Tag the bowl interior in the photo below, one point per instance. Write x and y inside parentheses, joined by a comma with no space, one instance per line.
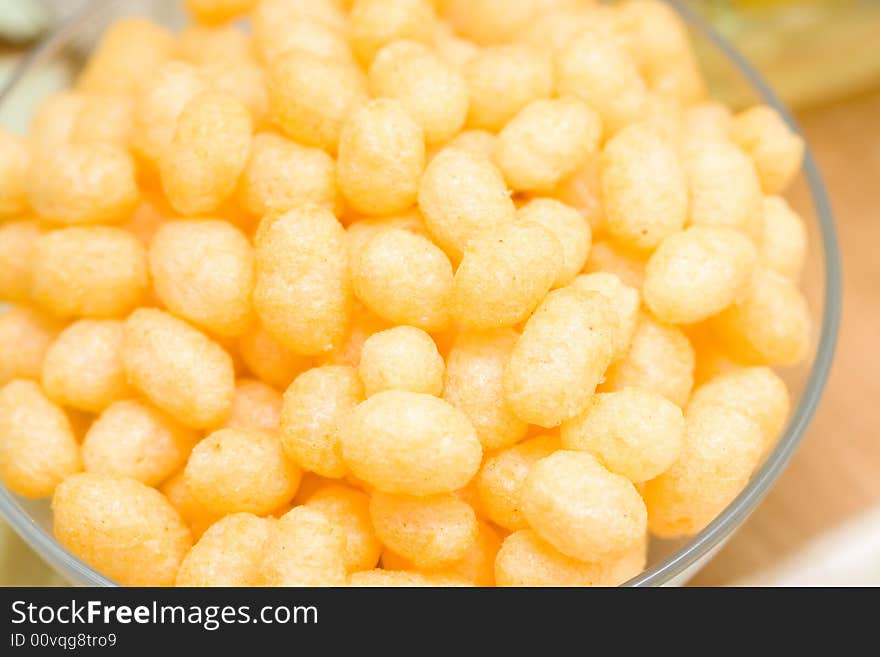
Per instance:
(730,77)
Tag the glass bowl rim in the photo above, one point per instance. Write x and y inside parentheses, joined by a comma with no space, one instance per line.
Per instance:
(713,535)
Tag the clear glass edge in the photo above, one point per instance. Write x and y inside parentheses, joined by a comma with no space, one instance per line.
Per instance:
(764,479)
(761,482)
(44,544)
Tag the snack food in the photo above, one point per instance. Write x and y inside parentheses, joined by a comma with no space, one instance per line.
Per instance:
(393,292)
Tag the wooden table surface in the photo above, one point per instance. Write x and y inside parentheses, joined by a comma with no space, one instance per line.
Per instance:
(836,472)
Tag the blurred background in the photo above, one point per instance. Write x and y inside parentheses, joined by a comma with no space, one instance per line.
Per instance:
(821,523)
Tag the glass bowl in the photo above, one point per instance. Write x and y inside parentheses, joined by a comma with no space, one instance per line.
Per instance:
(730,77)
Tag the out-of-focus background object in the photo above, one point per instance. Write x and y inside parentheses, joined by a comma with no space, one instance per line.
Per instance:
(23,21)
(821,524)
(20,566)
(812,51)
(848,555)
